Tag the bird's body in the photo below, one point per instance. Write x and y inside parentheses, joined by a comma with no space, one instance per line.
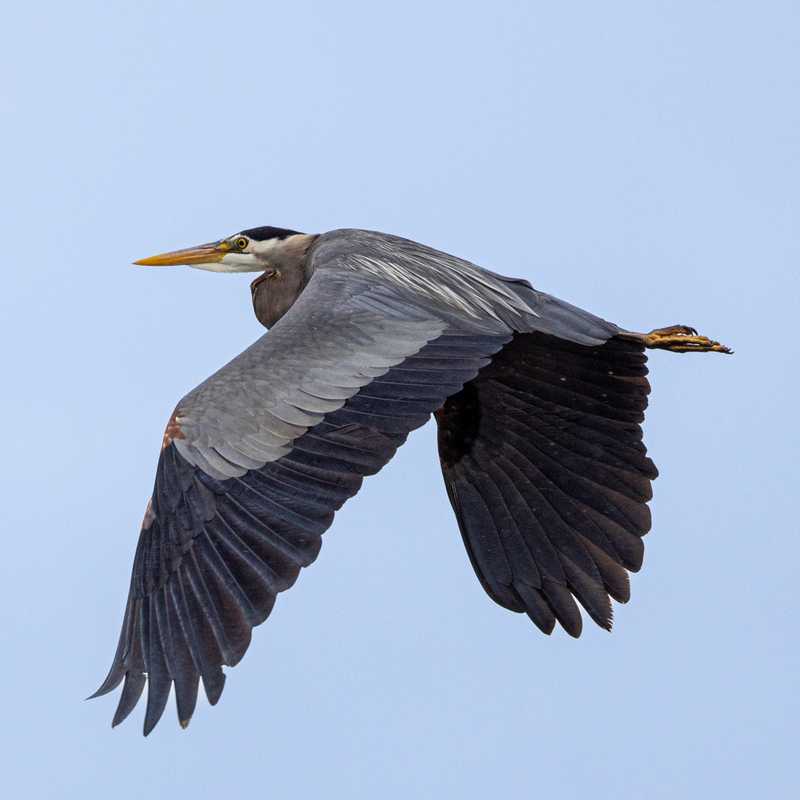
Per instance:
(539,406)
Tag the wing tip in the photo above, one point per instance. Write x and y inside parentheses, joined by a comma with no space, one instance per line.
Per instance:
(148,726)
(214,683)
(112,680)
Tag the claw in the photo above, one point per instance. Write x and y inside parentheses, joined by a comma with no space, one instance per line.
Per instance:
(677,330)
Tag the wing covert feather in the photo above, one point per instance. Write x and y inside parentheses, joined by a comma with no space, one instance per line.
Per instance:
(340,334)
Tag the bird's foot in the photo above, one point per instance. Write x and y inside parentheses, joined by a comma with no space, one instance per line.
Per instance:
(679,339)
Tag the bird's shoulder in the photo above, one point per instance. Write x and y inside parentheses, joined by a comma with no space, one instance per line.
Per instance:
(337,245)
(428,276)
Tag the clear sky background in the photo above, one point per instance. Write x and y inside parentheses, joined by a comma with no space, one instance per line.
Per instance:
(639,159)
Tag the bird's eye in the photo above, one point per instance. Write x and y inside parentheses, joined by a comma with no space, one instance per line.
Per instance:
(240,243)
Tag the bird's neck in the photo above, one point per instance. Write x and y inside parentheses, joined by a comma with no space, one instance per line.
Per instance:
(289,255)
(276,291)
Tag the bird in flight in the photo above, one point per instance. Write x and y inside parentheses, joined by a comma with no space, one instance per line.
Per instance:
(538,403)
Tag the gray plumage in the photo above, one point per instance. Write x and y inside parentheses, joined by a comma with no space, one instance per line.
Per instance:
(539,406)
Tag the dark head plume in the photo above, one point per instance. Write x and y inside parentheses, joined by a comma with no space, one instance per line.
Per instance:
(268,232)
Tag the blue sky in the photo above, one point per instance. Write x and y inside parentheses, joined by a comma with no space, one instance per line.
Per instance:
(639,159)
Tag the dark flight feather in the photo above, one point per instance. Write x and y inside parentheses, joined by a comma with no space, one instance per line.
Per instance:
(544,447)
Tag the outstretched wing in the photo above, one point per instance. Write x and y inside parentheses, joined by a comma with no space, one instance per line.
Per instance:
(544,465)
(256,460)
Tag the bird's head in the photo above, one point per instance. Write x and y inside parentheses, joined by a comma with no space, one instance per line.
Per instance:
(251,250)
(278,253)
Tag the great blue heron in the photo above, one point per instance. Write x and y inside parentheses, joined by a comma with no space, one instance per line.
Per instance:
(539,406)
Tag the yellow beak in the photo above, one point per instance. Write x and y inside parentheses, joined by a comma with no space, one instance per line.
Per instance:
(201,254)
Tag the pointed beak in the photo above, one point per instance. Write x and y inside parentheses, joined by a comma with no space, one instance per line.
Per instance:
(201,254)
